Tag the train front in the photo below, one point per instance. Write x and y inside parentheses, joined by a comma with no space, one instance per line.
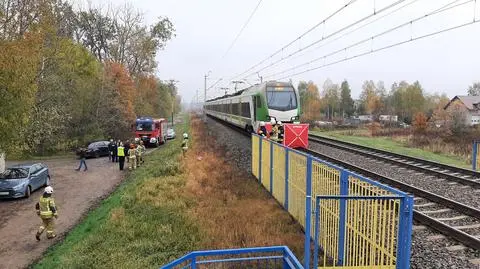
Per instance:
(282,102)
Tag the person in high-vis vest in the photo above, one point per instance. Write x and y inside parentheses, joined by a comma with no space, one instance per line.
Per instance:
(121,155)
(133,157)
(47,210)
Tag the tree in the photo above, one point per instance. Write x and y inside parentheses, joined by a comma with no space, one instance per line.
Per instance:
(346,103)
(312,104)
(331,98)
(474,89)
(370,99)
(420,123)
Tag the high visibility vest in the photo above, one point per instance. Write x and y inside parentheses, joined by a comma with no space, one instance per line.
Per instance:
(120,151)
(185,144)
(47,204)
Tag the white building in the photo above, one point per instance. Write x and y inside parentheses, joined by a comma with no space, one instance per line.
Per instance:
(469,106)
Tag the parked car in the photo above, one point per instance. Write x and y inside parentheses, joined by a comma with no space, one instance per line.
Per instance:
(170,133)
(21,180)
(96,149)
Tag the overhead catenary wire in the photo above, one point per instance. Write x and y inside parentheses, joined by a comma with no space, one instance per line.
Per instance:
(243,28)
(340,36)
(383,48)
(444,8)
(297,38)
(374,13)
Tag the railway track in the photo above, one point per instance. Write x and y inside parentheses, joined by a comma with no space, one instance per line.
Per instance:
(450,173)
(451,218)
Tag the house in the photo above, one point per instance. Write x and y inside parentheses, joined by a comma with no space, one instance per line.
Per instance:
(469,106)
(388,118)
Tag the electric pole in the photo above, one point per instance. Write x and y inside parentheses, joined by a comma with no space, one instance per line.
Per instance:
(224,89)
(236,82)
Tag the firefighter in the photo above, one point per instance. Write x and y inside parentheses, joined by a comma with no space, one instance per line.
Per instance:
(185,144)
(280,132)
(46,210)
(140,152)
(121,155)
(127,148)
(133,157)
(262,131)
(274,132)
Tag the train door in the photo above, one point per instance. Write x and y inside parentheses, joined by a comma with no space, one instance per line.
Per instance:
(254,107)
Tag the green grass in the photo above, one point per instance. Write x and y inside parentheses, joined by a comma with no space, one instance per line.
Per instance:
(388,144)
(141,225)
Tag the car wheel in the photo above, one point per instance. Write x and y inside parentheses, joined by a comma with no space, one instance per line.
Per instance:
(28,191)
(97,154)
(47,181)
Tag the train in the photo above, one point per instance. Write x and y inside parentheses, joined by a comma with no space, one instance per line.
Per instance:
(261,102)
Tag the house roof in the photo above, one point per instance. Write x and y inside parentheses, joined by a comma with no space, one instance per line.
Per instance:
(467,100)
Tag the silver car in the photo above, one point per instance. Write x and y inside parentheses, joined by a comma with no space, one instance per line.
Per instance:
(170,133)
(22,179)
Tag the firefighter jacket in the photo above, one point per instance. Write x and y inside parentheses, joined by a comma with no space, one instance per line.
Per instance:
(47,207)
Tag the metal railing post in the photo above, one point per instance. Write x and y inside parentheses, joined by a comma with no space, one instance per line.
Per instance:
(308,212)
(474,156)
(271,167)
(316,232)
(260,159)
(342,217)
(286,177)
(404,232)
(193,263)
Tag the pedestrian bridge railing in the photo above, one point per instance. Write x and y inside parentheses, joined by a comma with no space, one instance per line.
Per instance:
(354,222)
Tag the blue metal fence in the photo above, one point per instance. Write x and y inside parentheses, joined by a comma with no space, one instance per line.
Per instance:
(261,257)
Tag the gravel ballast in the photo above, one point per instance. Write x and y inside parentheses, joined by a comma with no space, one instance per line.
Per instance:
(425,253)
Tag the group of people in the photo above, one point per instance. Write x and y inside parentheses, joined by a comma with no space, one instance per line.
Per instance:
(276,134)
(133,152)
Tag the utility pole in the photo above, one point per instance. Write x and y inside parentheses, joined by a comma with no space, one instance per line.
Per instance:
(205,86)
(236,82)
(224,89)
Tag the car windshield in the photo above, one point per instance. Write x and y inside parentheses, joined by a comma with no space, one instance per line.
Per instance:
(14,173)
(144,126)
(281,98)
(170,131)
(92,146)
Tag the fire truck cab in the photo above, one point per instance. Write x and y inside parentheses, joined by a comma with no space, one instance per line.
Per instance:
(152,132)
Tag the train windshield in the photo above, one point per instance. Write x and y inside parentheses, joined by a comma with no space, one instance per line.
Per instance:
(281,98)
(144,126)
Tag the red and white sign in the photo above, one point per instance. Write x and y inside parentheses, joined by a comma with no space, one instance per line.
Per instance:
(295,135)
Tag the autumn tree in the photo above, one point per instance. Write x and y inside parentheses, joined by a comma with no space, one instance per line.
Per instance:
(331,98)
(370,99)
(311,103)
(420,123)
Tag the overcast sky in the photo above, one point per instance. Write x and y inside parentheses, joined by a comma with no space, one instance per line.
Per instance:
(448,62)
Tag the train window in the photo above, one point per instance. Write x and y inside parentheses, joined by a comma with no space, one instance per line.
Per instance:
(246,110)
(281,100)
(235,109)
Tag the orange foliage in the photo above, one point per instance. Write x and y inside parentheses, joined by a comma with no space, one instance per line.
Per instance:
(419,123)
(124,85)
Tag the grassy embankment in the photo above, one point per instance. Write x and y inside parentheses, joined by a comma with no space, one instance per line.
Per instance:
(391,145)
(172,206)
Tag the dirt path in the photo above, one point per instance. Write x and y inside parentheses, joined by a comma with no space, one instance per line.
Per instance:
(75,193)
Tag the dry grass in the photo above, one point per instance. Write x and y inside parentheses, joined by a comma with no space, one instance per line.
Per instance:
(230,206)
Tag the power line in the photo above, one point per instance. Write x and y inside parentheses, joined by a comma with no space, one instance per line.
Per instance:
(341,36)
(374,13)
(298,38)
(241,30)
(434,12)
(384,48)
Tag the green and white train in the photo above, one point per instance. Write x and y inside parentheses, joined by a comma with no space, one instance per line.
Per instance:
(261,102)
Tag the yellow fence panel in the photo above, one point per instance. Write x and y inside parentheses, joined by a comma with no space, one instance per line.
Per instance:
(255,153)
(266,163)
(326,181)
(297,174)
(279,173)
(371,227)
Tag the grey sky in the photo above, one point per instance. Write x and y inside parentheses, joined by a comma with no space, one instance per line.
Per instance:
(444,63)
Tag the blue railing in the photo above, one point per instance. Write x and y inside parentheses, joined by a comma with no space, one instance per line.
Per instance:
(261,257)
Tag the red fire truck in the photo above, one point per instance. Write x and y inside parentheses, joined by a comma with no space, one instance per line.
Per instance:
(152,132)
